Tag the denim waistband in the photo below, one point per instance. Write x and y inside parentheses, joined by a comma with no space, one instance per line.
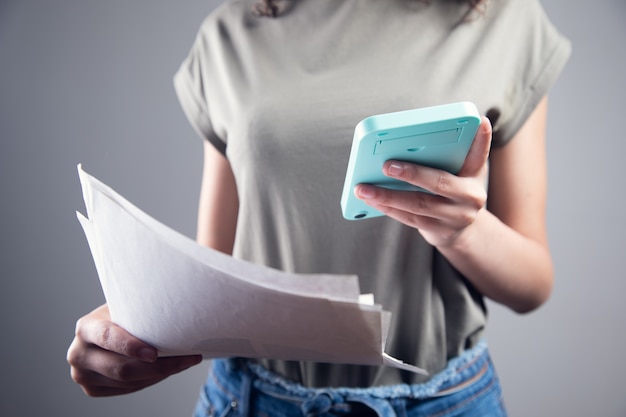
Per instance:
(242,376)
(469,361)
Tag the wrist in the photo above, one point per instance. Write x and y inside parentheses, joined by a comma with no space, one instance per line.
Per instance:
(465,238)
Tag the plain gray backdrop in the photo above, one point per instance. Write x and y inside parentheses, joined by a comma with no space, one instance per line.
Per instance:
(90,81)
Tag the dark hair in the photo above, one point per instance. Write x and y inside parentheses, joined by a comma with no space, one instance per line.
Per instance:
(266,8)
(269,8)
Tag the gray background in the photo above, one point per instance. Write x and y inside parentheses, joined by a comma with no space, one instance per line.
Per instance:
(90,81)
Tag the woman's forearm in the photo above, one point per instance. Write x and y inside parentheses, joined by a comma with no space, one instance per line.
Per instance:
(502,264)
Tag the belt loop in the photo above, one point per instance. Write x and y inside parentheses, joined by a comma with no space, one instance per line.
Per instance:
(323,402)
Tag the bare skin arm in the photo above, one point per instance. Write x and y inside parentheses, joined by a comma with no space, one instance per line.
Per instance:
(217,213)
(500,247)
(105,359)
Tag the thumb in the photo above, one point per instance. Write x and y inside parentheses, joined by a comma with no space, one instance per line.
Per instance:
(479,151)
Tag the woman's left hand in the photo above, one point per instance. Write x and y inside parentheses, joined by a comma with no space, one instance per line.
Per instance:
(456,200)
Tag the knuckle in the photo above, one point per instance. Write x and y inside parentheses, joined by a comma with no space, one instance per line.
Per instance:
(443,183)
(121,371)
(422,202)
(384,196)
(73,356)
(104,334)
(467,218)
(80,327)
(80,377)
(411,171)
(416,221)
(478,199)
(108,339)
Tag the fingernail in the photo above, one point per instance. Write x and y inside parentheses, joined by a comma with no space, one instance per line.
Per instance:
(147,354)
(395,169)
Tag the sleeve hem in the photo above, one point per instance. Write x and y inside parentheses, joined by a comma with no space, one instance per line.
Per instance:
(536,91)
(195,113)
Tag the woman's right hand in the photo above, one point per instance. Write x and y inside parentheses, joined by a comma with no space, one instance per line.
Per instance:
(106,360)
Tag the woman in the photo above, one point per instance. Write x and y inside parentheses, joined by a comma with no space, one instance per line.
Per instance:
(276,88)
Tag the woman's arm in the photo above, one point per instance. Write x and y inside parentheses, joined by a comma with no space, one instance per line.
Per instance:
(219,203)
(501,246)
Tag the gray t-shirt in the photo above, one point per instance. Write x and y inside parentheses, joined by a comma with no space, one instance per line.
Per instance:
(280,97)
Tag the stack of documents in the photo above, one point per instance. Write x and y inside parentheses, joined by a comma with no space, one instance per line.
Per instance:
(184,298)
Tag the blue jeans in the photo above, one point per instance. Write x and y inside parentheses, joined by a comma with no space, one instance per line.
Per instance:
(468,387)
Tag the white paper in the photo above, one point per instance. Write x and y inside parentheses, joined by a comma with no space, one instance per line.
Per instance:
(184,298)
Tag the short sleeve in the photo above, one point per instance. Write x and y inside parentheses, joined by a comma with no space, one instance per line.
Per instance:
(189,84)
(543,55)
